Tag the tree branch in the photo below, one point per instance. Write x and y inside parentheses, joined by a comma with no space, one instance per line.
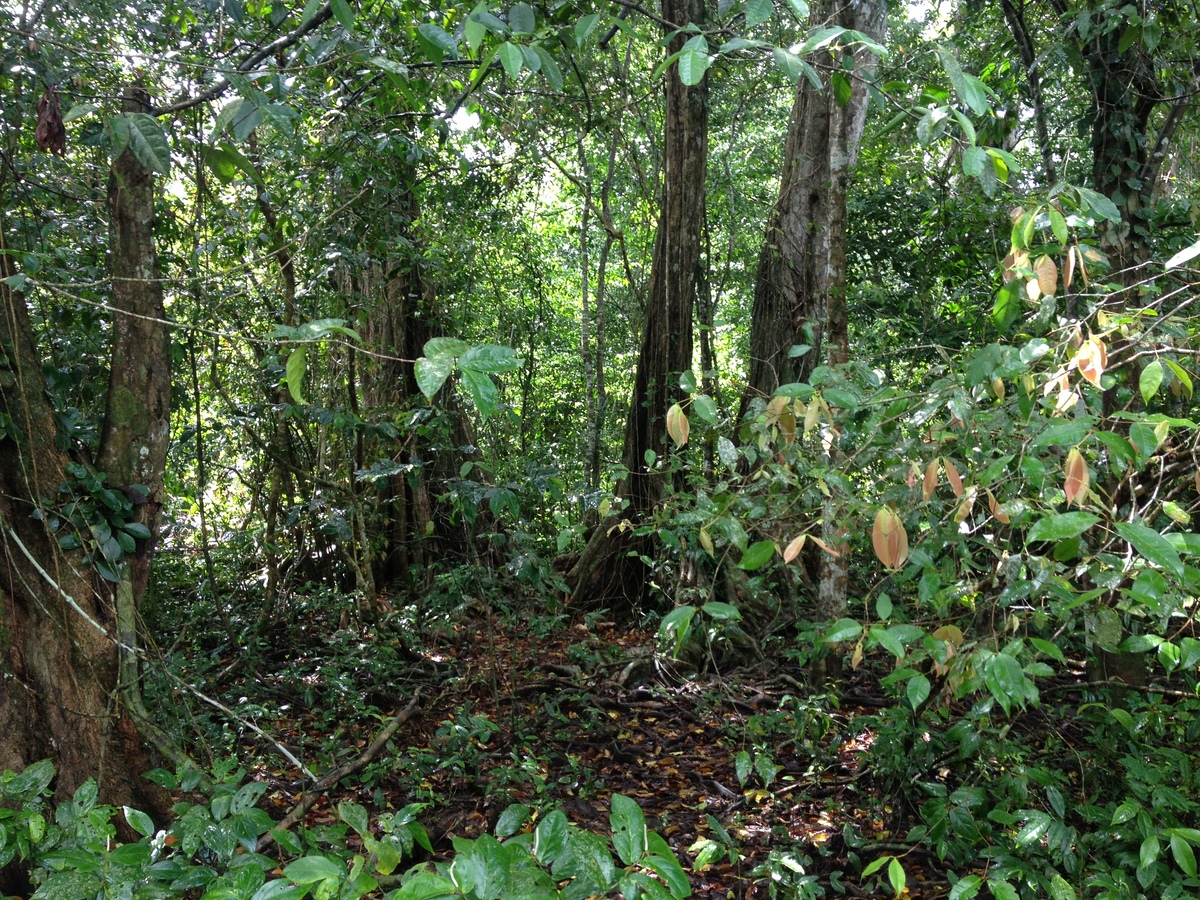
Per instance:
(309,798)
(323,15)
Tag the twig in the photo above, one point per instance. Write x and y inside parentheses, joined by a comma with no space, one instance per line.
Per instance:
(310,797)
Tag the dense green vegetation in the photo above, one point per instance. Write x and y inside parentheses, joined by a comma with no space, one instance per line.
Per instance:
(420,416)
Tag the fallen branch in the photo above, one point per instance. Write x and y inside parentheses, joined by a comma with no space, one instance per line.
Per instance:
(310,797)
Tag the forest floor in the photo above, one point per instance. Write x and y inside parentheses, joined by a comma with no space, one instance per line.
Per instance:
(566,716)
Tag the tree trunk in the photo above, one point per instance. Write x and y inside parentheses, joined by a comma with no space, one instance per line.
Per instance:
(60,669)
(800,288)
(667,333)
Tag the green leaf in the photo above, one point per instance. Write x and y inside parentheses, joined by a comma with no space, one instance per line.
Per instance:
(758,11)
(765,768)
(521,19)
(1097,204)
(1002,890)
(629,829)
(725,612)
(142,134)
(431,374)
(490,358)
(887,640)
(843,630)
(1148,854)
(445,348)
(1007,308)
(1035,827)
(439,37)
(896,876)
(294,374)
(474,31)
(1004,678)
(917,690)
(795,68)
(1061,526)
(966,887)
(1150,380)
(1185,857)
(876,865)
(280,889)
(79,111)
(551,838)
(840,82)
(344,13)
(550,70)
(972,161)
(1062,434)
(693,64)
(482,389)
(1058,225)
(1060,888)
(742,766)
(511,820)
(425,886)
(1184,378)
(313,868)
(1152,545)
(584,27)
(800,8)
(705,407)
(676,624)
(512,59)
(757,555)
(139,821)
(667,867)
(355,816)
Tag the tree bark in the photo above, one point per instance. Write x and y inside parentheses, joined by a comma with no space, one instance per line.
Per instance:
(666,348)
(667,334)
(800,287)
(60,684)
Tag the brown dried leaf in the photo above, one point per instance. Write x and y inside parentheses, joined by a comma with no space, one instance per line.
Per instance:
(968,503)
(1047,276)
(1033,290)
(889,538)
(857,656)
(50,134)
(1069,271)
(793,549)
(775,407)
(1091,359)
(956,484)
(930,479)
(1008,268)
(824,546)
(997,513)
(812,415)
(1077,478)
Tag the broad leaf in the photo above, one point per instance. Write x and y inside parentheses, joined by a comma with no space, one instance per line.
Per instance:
(1152,545)
(431,373)
(1150,380)
(1061,526)
(757,555)
(143,136)
(628,828)
(294,374)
